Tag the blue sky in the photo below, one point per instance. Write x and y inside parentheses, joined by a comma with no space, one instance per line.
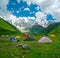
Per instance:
(20,8)
(17,9)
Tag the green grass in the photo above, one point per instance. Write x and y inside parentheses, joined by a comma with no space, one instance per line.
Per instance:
(37,50)
(6,25)
(7,28)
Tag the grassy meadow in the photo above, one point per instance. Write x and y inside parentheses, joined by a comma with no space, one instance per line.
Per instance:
(36,50)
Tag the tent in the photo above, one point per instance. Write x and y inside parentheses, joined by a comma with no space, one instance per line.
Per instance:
(44,39)
(29,39)
(17,36)
(13,39)
(25,35)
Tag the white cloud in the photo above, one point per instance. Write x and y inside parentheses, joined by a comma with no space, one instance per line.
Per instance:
(33,1)
(53,7)
(41,18)
(40,15)
(18,1)
(3,11)
(3,5)
(17,11)
(48,6)
(27,9)
(37,8)
(13,18)
(25,19)
(33,18)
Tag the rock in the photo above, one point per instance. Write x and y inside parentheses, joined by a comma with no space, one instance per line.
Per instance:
(25,47)
(3,36)
(6,35)
(19,45)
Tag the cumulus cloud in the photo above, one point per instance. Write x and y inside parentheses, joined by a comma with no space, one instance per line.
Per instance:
(3,5)
(33,18)
(25,19)
(48,6)
(41,18)
(40,15)
(3,11)
(52,8)
(7,15)
(38,8)
(34,1)
(26,9)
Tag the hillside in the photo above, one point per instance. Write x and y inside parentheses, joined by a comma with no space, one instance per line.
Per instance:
(7,28)
(39,30)
(52,27)
(56,31)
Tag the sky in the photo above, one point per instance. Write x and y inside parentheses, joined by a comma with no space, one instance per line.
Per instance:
(37,10)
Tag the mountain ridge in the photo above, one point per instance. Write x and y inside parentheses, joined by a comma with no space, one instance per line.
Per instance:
(38,29)
(7,28)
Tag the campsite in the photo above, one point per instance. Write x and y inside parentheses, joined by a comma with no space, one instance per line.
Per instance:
(36,50)
(14,44)
(29,28)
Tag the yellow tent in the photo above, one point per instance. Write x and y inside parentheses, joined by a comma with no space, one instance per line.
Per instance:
(52,35)
(17,36)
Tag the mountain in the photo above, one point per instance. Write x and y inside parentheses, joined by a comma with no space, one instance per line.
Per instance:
(21,23)
(7,28)
(38,29)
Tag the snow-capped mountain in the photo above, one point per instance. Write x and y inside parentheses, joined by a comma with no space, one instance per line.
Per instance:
(45,23)
(23,23)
